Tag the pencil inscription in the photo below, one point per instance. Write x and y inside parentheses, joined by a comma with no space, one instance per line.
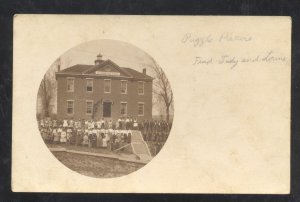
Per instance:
(233,60)
(199,41)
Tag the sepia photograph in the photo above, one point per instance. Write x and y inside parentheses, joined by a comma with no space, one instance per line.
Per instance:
(105,108)
(151,104)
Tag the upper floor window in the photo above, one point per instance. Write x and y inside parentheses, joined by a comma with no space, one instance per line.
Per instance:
(70,84)
(70,106)
(89,85)
(141,88)
(124,87)
(107,85)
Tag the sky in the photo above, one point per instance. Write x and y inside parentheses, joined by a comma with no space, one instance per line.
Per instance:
(122,53)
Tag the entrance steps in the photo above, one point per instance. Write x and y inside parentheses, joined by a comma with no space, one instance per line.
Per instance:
(139,146)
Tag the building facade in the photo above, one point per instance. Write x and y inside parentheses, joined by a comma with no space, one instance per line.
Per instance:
(104,90)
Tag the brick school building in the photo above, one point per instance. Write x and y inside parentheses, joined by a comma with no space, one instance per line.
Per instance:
(104,90)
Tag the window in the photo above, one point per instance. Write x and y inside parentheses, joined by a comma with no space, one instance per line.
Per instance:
(89,85)
(141,88)
(124,87)
(107,85)
(141,109)
(123,108)
(89,107)
(70,106)
(70,84)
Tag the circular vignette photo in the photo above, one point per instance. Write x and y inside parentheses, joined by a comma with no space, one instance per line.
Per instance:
(105,108)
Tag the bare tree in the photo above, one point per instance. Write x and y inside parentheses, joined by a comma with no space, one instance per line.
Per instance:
(162,89)
(45,95)
(47,89)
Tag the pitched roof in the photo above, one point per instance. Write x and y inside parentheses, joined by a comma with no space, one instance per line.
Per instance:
(85,69)
(104,63)
(76,69)
(136,74)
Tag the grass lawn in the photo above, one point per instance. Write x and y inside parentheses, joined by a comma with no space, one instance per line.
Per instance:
(85,149)
(96,166)
(100,150)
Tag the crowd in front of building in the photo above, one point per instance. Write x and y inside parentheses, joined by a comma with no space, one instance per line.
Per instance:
(107,134)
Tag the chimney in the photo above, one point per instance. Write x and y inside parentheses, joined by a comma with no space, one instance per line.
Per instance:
(144,71)
(99,59)
(58,65)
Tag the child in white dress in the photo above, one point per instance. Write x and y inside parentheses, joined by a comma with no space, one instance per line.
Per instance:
(63,137)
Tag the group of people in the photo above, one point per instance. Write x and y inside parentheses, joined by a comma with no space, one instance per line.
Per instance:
(102,133)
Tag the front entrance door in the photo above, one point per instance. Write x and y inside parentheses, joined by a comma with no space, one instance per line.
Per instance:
(106,109)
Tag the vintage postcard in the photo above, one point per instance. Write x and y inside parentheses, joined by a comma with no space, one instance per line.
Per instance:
(151,104)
